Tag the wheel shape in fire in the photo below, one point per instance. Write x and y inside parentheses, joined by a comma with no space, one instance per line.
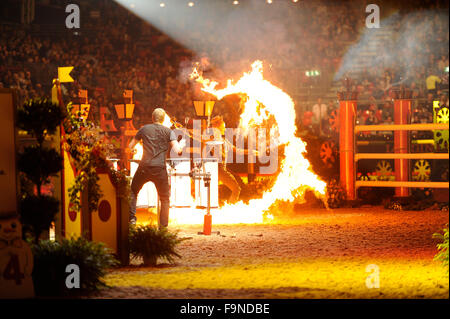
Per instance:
(263,99)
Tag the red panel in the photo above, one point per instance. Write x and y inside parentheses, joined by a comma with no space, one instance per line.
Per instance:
(346,147)
(207,224)
(402,110)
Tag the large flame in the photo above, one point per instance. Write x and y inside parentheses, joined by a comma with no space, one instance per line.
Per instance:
(263,99)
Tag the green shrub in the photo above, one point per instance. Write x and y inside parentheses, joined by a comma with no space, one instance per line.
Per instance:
(442,254)
(51,259)
(89,148)
(336,196)
(39,164)
(40,117)
(152,243)
(37,213)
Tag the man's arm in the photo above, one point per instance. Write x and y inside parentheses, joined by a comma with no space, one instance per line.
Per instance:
(177,147)
(136,139)
(131,146)
(133,143)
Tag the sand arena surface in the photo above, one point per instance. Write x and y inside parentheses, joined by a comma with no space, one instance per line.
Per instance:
(315,254)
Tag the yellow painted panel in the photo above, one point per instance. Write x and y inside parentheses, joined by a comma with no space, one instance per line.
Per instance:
(72,228)
(106,231)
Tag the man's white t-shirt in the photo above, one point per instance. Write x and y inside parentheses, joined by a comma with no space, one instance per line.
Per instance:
(319,112)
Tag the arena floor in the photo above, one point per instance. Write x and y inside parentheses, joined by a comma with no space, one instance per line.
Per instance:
(316,254)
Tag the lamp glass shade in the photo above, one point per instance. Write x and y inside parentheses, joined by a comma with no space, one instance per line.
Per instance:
(120,110)
(209,105)
(199,110)
(129,109)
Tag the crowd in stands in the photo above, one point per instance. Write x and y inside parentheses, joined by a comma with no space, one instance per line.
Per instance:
(109,56)
(415,60)
(107,61)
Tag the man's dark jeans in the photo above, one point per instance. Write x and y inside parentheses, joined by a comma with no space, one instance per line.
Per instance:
(157,175)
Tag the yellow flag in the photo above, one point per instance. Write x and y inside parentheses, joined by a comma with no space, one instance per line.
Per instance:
(64,74)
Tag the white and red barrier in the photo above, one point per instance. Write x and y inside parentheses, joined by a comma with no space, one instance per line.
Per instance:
(349,156)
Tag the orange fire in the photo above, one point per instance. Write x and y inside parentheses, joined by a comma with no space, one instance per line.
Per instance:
(263,99)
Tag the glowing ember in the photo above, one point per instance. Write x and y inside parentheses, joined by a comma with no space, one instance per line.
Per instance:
(263,100)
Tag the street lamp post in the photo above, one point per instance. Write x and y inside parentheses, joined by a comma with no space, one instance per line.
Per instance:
(203,110)
(125,115)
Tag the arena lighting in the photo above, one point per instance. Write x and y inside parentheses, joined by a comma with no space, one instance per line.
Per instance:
(191,4)
(180,21)
(312,73)
(269,1)
(235,2)
(162,4)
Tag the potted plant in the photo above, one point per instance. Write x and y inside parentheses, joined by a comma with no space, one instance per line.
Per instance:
(52,257)
(37,163)
(150,243)
(89,148)
(442,254)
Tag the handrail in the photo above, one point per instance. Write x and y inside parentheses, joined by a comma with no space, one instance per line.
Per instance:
(349,155)
(402,127)
(400,184)
(359,156)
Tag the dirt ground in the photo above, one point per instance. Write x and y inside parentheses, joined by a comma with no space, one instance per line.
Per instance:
(317,253)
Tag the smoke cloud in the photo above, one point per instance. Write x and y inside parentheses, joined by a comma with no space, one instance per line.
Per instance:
(230,36)
(403,43)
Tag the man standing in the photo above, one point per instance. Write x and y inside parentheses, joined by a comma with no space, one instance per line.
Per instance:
(225,176)
(319,115)
(157,139)
(432,82)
